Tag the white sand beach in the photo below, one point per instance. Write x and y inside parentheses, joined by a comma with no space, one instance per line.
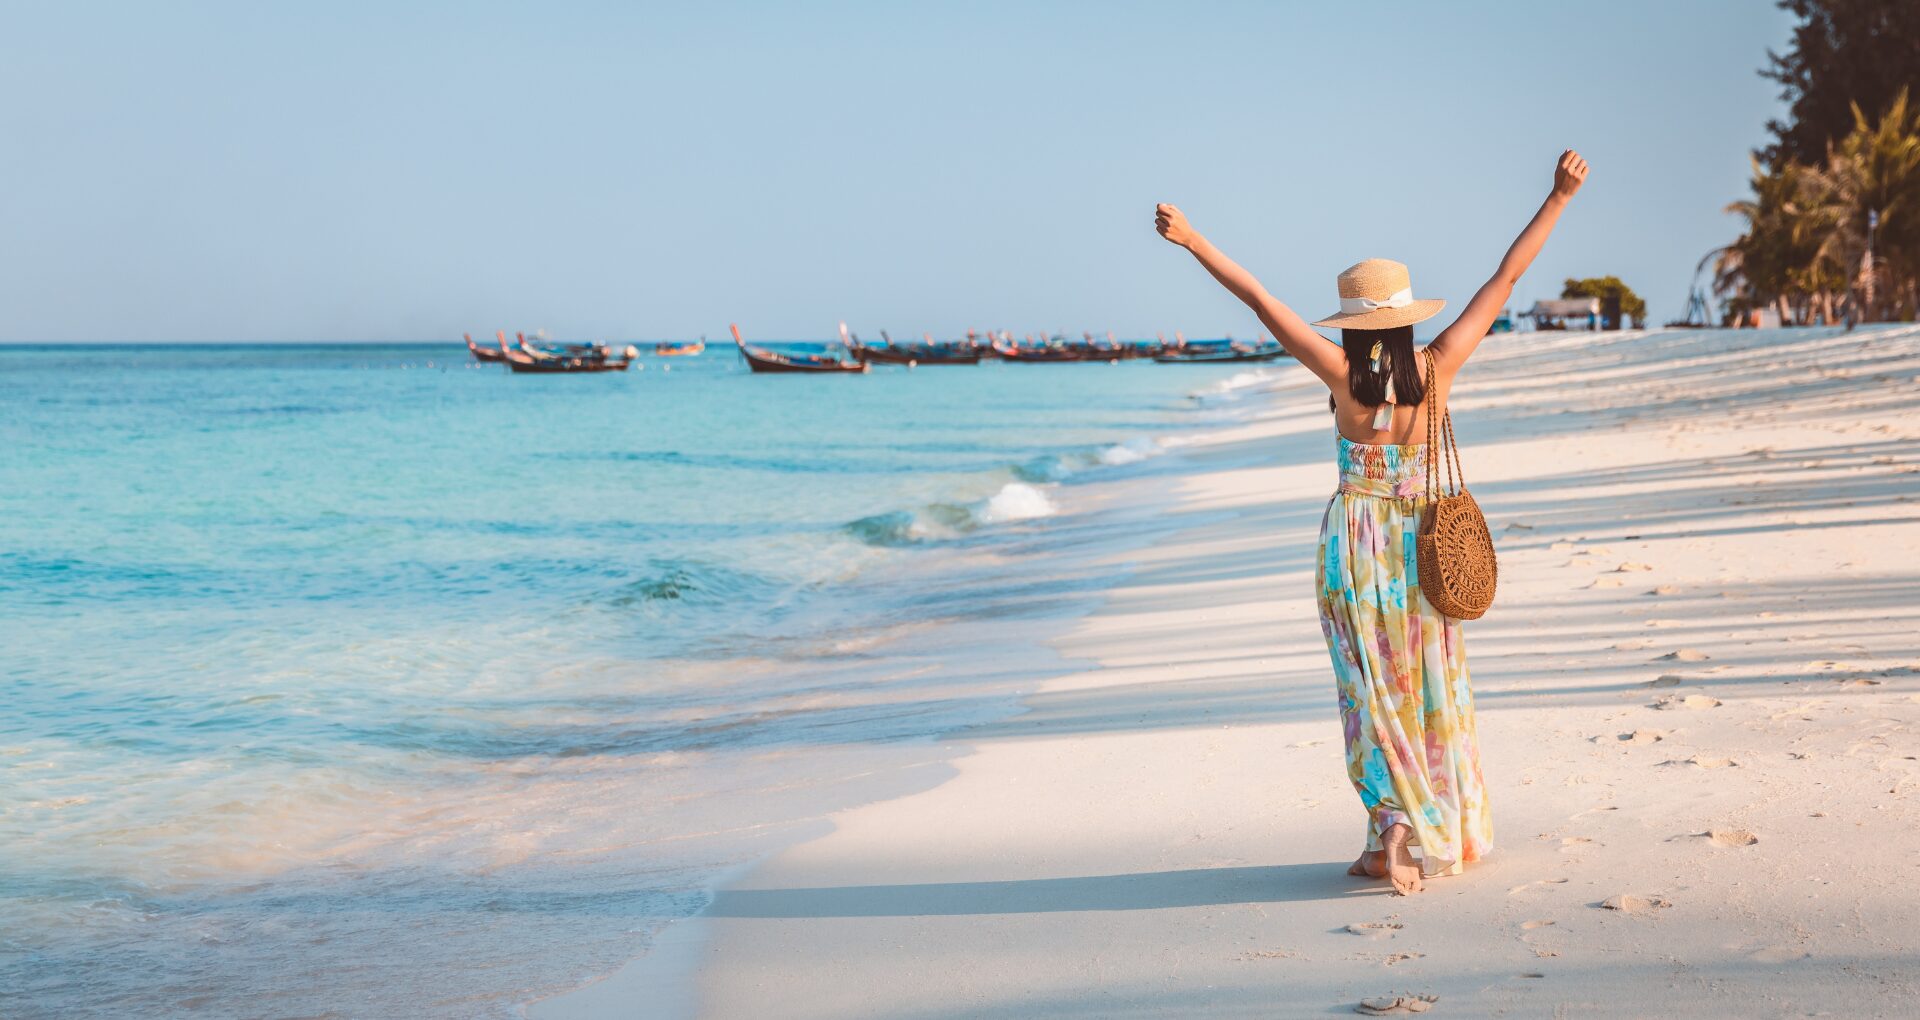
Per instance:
(1698,702)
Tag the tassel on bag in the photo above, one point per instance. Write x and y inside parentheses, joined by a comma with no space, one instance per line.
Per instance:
(1454,549)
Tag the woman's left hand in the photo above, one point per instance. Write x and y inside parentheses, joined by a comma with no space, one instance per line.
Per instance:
(1172,224)
(1569,174)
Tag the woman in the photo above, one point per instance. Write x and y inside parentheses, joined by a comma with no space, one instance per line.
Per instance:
(1406,702)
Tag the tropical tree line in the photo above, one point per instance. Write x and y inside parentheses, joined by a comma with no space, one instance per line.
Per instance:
(1632,306)
(1832,227)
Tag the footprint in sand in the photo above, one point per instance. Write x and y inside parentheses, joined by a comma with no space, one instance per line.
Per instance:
(1730,837)
(1778,954)
(1592,810)
(1546,952)
(1383,1005)
(1394,958)
(1704,761)
(1685,655)
(1535,886)
(1375,929)
(1605,582)
(1690,701)
(1531,925)
(1663,589)
(1631,568)
(1631,646)
(1571,844)
(1633,903)
(1665,680)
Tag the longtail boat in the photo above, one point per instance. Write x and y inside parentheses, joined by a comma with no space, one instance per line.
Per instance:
(1111,349)
(762,360)
(1195,352)
(533,360)
(591,350)
(927,352)
(680,348)
(485,354)
(1040,354)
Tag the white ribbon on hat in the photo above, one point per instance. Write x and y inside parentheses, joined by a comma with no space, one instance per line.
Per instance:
(1356,305)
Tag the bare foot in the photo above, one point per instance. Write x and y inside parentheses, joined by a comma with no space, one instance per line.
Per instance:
(1402,870)
(1370,864)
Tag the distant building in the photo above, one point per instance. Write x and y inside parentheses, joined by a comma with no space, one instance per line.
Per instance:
(1566,313)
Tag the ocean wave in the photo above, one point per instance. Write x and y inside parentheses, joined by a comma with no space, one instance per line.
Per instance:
(1025,498)
(1055,467)
(1235,385)
(930,523)
(936,522)
(1133,451)
(1016,501)
(1046,468)
(667,582)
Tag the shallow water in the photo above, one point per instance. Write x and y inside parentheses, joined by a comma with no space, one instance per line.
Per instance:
(354,680)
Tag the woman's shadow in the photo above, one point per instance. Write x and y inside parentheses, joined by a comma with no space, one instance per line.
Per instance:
(1149,890)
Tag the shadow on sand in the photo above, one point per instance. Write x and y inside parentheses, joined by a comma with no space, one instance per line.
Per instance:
(1151,890)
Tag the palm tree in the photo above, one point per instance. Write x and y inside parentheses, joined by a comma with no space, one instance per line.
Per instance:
(1874,173)
(1758,269)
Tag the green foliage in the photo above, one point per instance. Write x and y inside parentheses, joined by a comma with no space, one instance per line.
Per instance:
(1632,306)
(1808,226)
(1844,53)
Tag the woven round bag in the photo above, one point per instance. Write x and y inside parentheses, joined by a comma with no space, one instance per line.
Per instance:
(1454,549)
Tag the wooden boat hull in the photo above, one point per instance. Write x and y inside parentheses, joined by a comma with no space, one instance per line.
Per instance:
(774,362)
(768,361)
(1214,358)
(563,366)
(1037,357)
(678,350)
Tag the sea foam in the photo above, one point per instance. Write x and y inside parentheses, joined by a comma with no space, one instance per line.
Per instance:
(1016,501)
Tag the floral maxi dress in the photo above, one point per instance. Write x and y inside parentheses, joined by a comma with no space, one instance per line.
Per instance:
(1406,703)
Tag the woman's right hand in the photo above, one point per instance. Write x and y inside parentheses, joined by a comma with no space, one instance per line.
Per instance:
(1569,174)
(1172,224)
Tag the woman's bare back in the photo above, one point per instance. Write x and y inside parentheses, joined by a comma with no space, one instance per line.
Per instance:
(1354,420)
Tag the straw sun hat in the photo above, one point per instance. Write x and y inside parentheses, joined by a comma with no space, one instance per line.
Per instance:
(1377,294)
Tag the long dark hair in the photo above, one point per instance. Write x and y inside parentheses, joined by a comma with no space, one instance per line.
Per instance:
(1396,352)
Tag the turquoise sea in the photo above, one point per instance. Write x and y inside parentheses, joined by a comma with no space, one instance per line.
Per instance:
(367,681)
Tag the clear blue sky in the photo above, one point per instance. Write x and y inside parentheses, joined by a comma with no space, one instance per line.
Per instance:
(411,171)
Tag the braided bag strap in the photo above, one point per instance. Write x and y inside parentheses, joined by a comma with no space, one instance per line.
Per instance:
(1441,447)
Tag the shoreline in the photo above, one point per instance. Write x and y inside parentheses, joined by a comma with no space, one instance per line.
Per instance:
(1019,588)
(1694,690)
(680,942)
(627,661)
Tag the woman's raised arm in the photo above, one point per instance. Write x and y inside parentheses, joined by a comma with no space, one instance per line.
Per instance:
(1325,358)
(1457,342)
